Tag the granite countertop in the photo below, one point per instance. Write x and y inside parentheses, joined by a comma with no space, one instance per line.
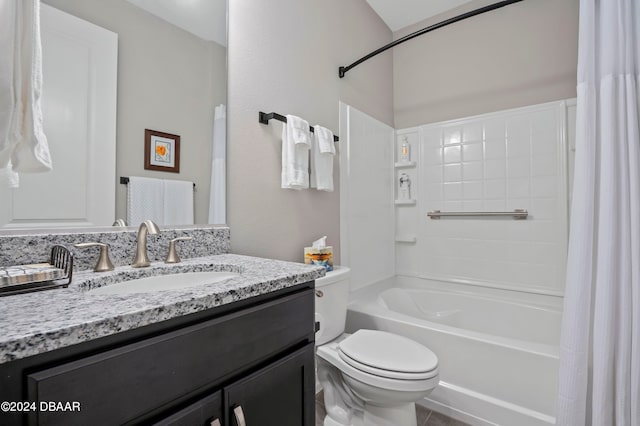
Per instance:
(39,322)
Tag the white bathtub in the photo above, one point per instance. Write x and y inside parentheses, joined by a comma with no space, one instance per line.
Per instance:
(498,351)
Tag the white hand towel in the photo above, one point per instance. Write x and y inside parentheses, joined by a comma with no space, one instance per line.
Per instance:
(296,142)
(322,152)
(22,139)
(145,200)
(178,202)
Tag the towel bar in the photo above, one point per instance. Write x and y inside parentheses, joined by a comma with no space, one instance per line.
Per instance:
(125,181)
(264,118)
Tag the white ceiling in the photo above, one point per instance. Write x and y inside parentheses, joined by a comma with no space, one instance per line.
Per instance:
(208,18)
(205,18)
(398,14)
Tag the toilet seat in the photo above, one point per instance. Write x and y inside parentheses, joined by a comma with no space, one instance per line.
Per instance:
(388,355)
(330,354)
(389,374)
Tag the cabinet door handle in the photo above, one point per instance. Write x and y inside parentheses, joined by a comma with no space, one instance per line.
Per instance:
(239,414)
(215,422)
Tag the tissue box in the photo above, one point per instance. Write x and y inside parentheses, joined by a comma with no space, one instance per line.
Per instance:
(322,257)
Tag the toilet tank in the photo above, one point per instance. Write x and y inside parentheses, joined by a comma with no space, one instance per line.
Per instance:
(332,294)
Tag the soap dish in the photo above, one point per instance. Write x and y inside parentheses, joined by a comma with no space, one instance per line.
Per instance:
(38,276)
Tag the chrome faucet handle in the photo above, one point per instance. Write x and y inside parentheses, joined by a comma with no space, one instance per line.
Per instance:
(173,257)
(104,263)
(119,222)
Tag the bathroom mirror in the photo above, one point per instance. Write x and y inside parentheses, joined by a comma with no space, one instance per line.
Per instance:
(171,75)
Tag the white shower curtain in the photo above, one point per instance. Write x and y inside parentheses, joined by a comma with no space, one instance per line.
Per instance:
(217,196)
(600,343)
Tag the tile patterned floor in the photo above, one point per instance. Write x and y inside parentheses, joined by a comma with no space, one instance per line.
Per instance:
(428,417)
(425,416)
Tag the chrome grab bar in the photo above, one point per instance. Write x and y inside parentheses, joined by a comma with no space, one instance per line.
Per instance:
(516,214)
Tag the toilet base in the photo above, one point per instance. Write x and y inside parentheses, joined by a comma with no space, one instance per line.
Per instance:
(328,421)
(354,398)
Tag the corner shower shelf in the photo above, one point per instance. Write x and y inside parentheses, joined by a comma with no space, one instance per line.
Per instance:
(405,202)
(405,164)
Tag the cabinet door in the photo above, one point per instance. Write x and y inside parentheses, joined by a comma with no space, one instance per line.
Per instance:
(205,412)
(153,373)
(281,394)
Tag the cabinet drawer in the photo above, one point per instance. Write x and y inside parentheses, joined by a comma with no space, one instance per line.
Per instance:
(122,384)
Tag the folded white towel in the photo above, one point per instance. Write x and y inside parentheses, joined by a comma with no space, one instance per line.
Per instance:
(178,202)
(22,139)
(322,152)
(296,142)
(145,200)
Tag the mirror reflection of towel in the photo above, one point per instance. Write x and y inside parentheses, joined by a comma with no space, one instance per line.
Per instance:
(23,145)
(178,202)
(166,202)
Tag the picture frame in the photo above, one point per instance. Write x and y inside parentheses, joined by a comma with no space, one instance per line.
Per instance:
(161,151)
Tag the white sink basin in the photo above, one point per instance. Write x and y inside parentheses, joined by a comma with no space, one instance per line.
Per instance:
(165,282)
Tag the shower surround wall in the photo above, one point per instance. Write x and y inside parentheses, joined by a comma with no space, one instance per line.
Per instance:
(366,197)
(454,276)
(502,161)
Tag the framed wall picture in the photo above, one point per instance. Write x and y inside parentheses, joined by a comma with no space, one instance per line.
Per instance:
(161,151)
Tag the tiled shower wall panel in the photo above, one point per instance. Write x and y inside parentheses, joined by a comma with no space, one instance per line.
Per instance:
(513,159)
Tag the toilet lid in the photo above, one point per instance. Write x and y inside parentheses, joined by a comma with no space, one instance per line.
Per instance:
(388,355)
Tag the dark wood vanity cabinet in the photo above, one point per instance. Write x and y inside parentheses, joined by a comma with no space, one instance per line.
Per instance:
(277,395)
(249,363)
(204,412)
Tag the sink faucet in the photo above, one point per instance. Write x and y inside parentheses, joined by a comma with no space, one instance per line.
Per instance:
(141,260)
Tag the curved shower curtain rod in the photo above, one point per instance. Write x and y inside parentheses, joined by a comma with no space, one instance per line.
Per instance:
(343,70)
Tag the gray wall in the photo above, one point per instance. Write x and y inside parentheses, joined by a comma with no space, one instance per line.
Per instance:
(168,80)
(284,57)
(522,54)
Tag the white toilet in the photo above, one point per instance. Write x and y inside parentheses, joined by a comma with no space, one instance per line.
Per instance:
(370,377)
